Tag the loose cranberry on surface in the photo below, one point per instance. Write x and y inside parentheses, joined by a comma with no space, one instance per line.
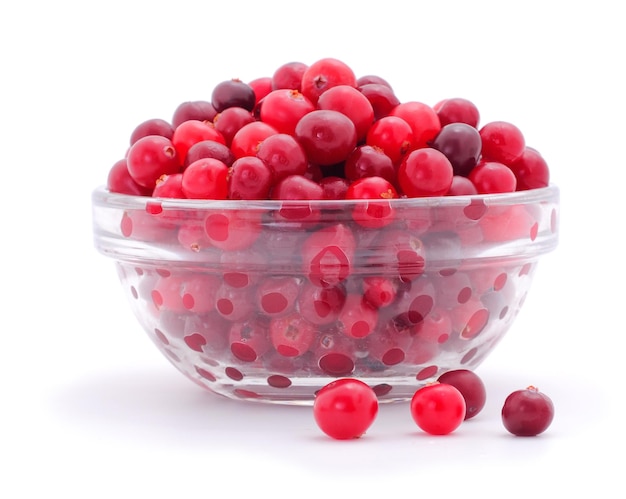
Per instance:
(345,408)
(438,408)
(527,412)
(471,387)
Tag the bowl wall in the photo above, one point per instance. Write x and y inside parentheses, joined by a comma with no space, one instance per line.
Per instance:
(270,301)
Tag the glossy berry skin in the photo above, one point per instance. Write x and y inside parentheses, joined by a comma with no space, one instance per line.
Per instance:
(438,408)
(206,179)
(230,121)
(120,181)
(193,110)
(457,110)
(328,137)
(150,157)
(461,144)
(345,408)
(490,177)
(471,387)
(527,413)
(422,119)
(283,155)
(502,142)
(289,76)
(152,127)
(283,108)
(247,140)
(349,101)
(425,172)
(530,170)
(393,136)
(249,178)
(191,132)
(233,93)
(381,97)
(324,74)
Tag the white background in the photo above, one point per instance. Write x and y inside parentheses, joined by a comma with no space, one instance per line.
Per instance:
(89,406)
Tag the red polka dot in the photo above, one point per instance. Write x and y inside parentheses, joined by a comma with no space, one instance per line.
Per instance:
(447,272)
(503,312)
(162,338)
(246,394)
(138,270)
(393,356)
(443,338)
(360,329)
(157,298)
(233,373)
(154,208)
(243,352)
(126,225)
(525,270)
(420,308)
(464,295)
(171,355)
(476,324)
(469,355)
(225,306)
(553,220)
(195,341)
(188,301)
(278,381)
(274,303)
(236,279)
(205,374)
(163,272)
(427,372)
(534,230)
(336,364)
(500,281)
(217,227)
(475,210)
(382,389)
(133,292)
(287,351)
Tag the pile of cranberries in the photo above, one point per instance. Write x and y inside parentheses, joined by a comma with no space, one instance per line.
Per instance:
(319,132)
(341,278)
(346,408)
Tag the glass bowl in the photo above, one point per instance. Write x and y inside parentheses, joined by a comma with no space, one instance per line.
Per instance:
(271,300)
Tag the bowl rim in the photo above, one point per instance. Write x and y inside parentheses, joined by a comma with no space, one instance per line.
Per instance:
(102,196)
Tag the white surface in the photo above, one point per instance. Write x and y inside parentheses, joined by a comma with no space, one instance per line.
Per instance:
(91,409)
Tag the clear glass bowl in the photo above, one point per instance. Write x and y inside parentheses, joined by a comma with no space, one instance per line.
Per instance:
(271,300)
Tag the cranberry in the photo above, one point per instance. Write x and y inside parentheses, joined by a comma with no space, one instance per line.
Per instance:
(369,161)
(150,157)
(206,179)
(345,408)
(209,149)
(379,212)
(233,93)
(471,387)
(349,101)
(461,144)
(425,172)
(531,170)
(234,304)
(327,255)
(276,296)
(283,155)
(249,178)
(502,142)
(381,97)
(261,86)
(247,140)
(398,252)
(328,137)
(457,110)
(461,186)
(379,291)
(490,177)
(438,409)
(120,181)
(357,318)
(152,127)
(231,120)
(233,229)
(321,306)
(292,334)
(324,74)
(528,412)
(193,110)
(169,186)
(283,108)
(422,119)
(368,79)
(249,339)
(393,136)
(191,132)
(289,76)
(334,187)
(297,187)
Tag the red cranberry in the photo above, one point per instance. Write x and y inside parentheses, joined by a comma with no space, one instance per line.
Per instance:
(206,179)
(209,149)
(393,136)
(457,110)
(527,412)
(490,177)
(283,108)
(349,101)
(328,137)
(369,161)
(150,157)
(193,110)
(249,178)
(289,76)
(120,181)
(422,119)
(247,140)
(328,255)
(471,387)
(531,170)
(152,127)
(381,97)
(231,120)
(191,132)
(324,74)
(283,155)
(502,142)
(425,172)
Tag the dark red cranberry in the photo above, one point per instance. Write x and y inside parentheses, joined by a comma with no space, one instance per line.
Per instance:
(193,110)
(152,127)
(233,93)
(461,144)
(381,97)
(209,149)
